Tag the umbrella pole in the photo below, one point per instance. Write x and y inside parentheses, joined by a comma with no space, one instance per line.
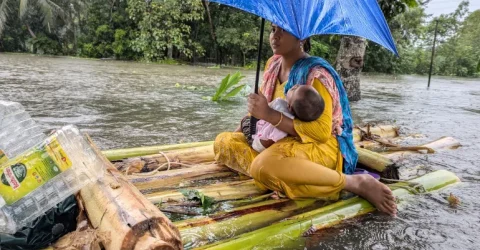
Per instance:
(259,58)
(433,54)
(253,120)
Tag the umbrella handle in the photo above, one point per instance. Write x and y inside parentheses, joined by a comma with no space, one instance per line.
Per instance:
(253,120)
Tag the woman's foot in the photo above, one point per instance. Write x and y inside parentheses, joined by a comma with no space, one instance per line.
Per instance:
(372,190)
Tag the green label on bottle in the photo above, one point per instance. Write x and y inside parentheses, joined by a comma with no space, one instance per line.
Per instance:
(30,170)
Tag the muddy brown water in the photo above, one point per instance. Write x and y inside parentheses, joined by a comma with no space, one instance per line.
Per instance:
(128,104)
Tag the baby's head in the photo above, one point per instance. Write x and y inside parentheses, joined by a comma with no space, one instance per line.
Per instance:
(305,103)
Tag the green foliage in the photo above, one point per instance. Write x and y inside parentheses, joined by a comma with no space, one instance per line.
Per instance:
(319,49)
(188,87)
(89,50)
(325,46)
(392,8)
(163,27)
(121,43)
(42,44)
(457,52)
(195,195)
(229,87)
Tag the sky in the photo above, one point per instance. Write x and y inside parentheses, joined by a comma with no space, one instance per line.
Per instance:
(438,7)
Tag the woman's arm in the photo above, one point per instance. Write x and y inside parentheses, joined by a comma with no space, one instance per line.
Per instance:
(319,130)
(286,124)
(258,107)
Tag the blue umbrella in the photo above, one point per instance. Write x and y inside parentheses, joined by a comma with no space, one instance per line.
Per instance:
(305,18)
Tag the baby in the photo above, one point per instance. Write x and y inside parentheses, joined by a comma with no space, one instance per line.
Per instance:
(302,102)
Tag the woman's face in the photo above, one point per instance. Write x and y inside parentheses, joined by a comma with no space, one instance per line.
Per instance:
(282,42)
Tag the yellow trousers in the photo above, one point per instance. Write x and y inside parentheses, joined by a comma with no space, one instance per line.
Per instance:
(299,170)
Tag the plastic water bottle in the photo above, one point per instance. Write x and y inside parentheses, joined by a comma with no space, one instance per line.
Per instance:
(18,131)
(43,175)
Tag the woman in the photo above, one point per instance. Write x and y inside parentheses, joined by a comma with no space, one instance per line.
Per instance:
(311,162)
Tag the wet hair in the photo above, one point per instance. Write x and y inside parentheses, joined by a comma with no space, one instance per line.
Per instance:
(309,107)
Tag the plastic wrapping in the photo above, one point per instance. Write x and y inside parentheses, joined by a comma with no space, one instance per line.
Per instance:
(44,230)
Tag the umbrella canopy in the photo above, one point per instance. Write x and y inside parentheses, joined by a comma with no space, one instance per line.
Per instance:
(305,18)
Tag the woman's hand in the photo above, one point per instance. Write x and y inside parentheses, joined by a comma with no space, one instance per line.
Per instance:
(258,106)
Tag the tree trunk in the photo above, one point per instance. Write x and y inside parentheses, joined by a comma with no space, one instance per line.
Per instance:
(244,59)
(75,32)
(110,16)
(30,31)
(350,63)
(170,52)
(212,30)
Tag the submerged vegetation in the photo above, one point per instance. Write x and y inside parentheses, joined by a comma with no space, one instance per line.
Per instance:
(229,87)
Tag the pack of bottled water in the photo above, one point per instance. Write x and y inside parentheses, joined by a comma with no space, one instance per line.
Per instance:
(39,171)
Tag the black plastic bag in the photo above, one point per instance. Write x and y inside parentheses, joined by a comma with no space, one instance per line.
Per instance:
(44,230)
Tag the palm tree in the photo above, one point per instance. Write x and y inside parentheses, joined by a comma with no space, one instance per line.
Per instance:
(49,9)
(3,15)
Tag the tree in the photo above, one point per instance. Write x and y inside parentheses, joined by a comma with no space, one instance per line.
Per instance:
(240,33)
(107,30)
(205,4)
(163,26)
(4,11)
(48,8)
(452,58)
(409,32)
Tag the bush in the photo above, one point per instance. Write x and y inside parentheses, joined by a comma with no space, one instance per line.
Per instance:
(44,45)
(89,50)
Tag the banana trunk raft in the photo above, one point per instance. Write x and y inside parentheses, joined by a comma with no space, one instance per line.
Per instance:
(176,196)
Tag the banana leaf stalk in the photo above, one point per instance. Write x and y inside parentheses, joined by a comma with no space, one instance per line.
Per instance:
(285,233)
(440,144)
(176,158)
(118,154)
(385,163)
(229,213)
(219,192)
(202,231)
(383,131)
(173,178)
(380,163)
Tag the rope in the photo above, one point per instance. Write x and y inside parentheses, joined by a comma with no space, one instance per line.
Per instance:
(168,164)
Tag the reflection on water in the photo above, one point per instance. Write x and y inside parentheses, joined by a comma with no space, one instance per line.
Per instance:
(125,104)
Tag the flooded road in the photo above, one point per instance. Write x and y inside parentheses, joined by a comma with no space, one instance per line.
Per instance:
(127,104)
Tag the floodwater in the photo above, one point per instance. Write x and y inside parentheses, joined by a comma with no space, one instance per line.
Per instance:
(127,104)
